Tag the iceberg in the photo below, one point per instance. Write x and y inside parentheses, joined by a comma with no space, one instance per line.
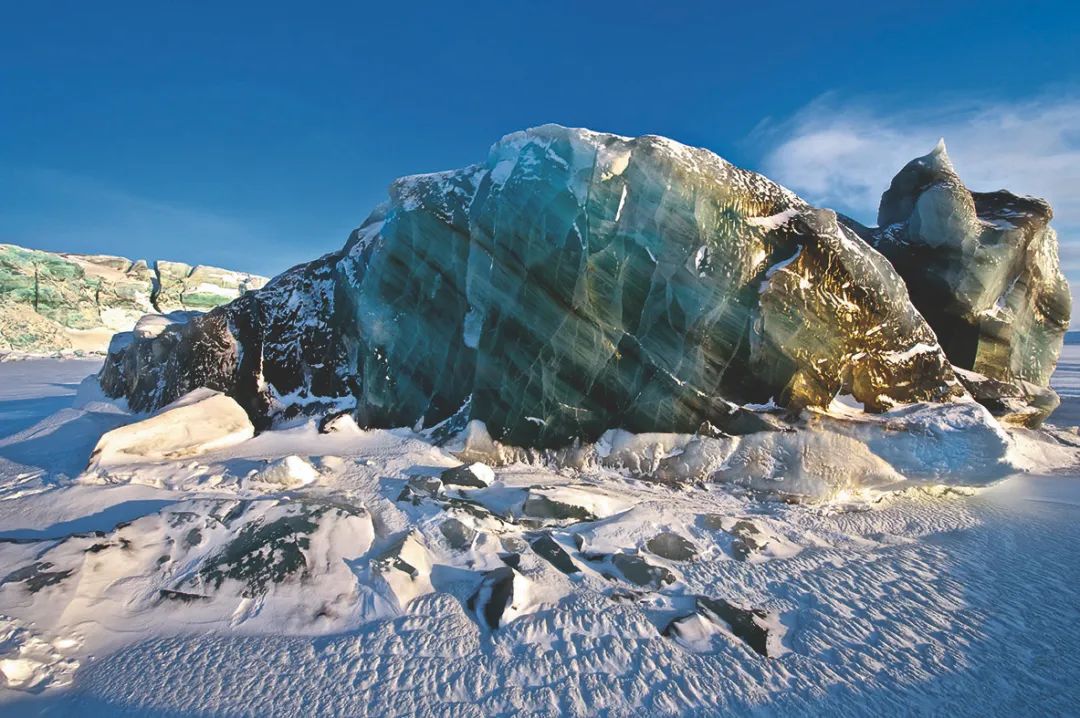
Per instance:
(572,283)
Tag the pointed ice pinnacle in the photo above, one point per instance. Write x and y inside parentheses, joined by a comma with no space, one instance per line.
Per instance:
(983,268)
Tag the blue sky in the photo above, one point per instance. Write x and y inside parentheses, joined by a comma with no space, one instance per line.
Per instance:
(255,136)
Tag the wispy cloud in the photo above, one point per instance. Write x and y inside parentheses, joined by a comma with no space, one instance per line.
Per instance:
(843,153)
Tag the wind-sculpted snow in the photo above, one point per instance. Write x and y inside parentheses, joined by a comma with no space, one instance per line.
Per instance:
(324,569)
(983,268)
(574,282)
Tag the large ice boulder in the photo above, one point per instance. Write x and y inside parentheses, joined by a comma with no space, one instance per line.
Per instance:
(201,421)
(575,281)
(983,268)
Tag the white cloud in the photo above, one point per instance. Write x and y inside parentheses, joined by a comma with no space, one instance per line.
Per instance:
(843,154)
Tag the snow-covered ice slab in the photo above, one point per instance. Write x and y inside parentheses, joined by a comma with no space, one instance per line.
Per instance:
(819,457)
(200,421)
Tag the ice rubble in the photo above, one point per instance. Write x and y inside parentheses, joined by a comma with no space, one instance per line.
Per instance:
(28,662)
(290,472)
(225,561)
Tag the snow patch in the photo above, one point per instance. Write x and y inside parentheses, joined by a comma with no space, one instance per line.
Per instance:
(773,221)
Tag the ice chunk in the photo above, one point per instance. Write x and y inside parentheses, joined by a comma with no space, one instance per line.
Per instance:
(290,472)
(457,534)
(581,503)
(200,421)
(760,630)
(671,546)
(405,570)
(475,475)
(502,596)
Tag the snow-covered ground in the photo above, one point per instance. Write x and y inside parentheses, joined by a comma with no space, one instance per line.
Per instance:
(157,587)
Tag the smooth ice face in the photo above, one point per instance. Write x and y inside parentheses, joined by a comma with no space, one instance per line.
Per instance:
(574,282)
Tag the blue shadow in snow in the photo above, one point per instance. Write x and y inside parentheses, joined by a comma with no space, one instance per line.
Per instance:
(104,520)
(19,414)
(63,447)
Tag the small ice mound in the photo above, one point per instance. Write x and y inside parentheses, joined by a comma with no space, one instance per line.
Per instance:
(474,444)
(340,424)
(957,444)
(198,422)
(290,472)
(401,574)
(638,571)
(475,475)
(1045,450)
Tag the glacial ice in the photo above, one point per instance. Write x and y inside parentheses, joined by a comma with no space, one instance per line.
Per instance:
(53,303)
(574,282)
